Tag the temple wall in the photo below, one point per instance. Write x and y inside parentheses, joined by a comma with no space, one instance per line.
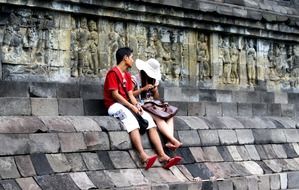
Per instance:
(206,44)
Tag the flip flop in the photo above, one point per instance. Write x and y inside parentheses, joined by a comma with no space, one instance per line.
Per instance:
(150,162)
(172,161)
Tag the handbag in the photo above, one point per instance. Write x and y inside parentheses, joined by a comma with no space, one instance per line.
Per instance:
(143,123)
(160,109)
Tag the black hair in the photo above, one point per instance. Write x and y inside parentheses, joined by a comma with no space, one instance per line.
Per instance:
(145,79)
(121,53)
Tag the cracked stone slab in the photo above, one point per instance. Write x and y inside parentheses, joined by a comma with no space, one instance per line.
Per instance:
(119,140)
(160,176)
(100,179)
(57,124)
(212,154)
(9,184)
(198,154)
(97,140)
(24,124)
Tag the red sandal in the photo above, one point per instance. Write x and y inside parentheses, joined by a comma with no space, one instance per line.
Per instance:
(172,161)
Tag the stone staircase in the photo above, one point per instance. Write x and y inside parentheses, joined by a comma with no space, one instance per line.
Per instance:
(56,136)
(85,152)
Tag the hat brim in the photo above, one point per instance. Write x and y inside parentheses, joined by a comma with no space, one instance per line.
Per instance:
(142,65)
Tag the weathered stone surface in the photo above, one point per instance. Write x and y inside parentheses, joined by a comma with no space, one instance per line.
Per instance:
(15,106)
(8,168)
(279,151)
(61,181)
(92,161)
(71,142)
(275,181)
(14,89)
(82,123)
(198,154)
(213,109)
(240,183)
(91,91)
(254,155)
(193,122)
(94,107)
(283,180)
(231,123)
(189,138)
(15,124)
(223,150)
(196,109)
(44,106)
(225,185)
(209,137)
(127,178)
(42,90)
(68,90)
(100,179)
(259,109)
(58,163)
(9,184)
(107,123)
(244,109)
(70,106)
(212,154)
(11,144)
(227,137)
(121,159)
(41,164)
(119,140)
(264,182)
(28,183)
(46,143)
(25,166)
(234,153)
(57,124)
(245,136)
(199,170)
(253,167)
(76,161)
(159,176)
(252,182)
(185,153)
(82,180)
(96,141)
(229,109)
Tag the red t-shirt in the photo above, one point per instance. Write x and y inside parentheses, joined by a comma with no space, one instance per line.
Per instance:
(113,83)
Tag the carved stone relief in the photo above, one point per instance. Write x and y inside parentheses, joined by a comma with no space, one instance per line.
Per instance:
(64,46)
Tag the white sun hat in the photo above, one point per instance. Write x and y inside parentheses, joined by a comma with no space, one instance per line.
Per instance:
(151,67)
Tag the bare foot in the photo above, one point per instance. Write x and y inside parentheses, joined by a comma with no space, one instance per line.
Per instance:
(172,146)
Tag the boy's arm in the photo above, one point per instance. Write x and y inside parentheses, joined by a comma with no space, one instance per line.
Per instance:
(124,102)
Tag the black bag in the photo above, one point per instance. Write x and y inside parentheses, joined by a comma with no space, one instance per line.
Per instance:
(143,123)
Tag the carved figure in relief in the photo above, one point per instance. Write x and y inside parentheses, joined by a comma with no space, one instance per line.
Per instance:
(280,60)
(93,47)
(251,63)
(203,58)
(234,54)
(12,40)
(273,75)
(83,46)
(226,59)
(293,67)
(113,46)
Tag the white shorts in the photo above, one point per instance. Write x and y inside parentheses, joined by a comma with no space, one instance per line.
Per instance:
(129,121)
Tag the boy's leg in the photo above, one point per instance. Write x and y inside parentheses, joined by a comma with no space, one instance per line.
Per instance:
(136,141)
